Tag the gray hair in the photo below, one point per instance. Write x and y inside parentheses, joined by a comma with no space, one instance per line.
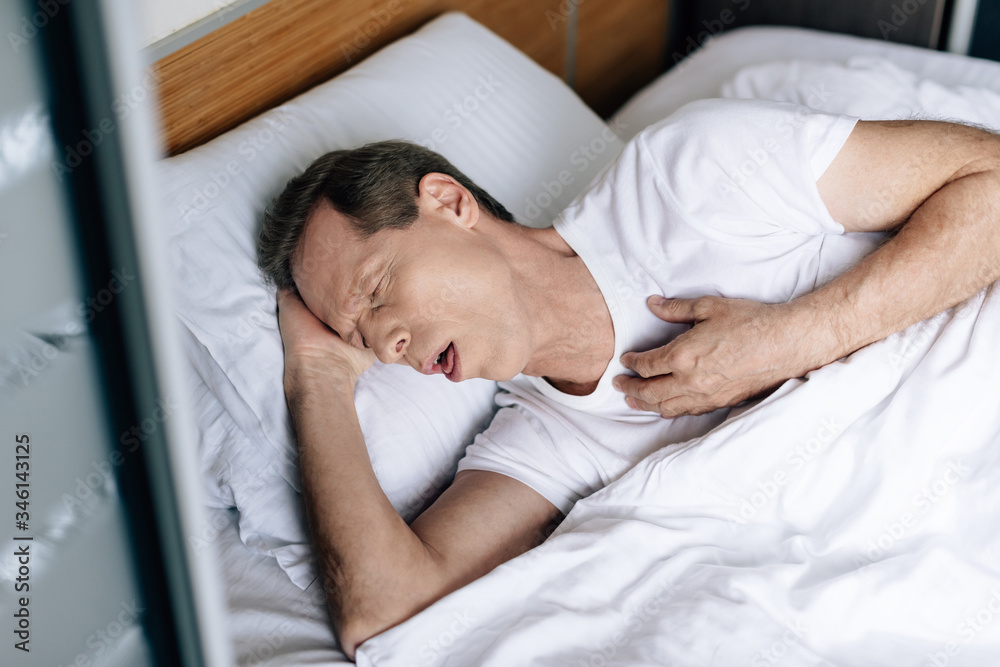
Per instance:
(375,187)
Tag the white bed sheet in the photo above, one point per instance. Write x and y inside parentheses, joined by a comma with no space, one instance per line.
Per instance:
(274,623)
(271,620)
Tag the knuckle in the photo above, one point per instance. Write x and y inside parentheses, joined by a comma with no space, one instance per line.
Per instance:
(646,393)
(697,384)
(681,358)
(703,306)
(652,406)
(702,384)
(641,366)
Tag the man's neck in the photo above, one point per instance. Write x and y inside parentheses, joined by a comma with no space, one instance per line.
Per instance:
(572,331)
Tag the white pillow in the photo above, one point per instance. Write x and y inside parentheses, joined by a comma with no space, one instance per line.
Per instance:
(411,470)
(517,131)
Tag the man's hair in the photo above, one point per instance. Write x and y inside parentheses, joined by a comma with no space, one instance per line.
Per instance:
(375,187)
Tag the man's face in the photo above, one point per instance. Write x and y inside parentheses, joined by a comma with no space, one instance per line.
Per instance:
(411,293)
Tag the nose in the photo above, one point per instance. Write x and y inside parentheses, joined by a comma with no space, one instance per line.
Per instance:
(394,346)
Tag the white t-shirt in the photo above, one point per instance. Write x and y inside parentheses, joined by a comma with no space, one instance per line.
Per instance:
(718,199)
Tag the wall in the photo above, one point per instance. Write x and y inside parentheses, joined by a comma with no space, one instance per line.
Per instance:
(161,18)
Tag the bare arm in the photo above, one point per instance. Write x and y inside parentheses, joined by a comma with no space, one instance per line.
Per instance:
(937,183)
(378,571)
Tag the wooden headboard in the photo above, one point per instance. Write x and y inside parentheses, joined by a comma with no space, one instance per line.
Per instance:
(606,49)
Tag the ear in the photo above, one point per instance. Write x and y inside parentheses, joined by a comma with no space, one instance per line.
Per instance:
(441,195)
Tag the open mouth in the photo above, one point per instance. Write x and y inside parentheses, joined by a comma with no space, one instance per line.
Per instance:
(447,362)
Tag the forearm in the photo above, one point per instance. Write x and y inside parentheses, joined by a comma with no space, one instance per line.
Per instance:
(377,572)
(947,251)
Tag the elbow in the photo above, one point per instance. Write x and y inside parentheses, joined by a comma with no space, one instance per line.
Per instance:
(364,603)
(350,622)
(359,615)
(353,631)
(350,635)
(354,610)
(355,628)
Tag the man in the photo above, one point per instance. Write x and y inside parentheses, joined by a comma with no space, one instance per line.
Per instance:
(739,206)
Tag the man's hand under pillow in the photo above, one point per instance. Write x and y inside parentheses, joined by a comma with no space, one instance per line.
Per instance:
(311,346)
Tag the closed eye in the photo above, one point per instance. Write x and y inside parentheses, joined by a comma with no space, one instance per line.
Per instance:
(375,294)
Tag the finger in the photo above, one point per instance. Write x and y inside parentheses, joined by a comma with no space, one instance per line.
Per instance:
(647,364)
(675,408)
(637,404)
(650,392)
(672,310)
(683,405)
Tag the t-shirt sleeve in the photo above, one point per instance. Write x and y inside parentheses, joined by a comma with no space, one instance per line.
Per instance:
(517,445)
(748,167)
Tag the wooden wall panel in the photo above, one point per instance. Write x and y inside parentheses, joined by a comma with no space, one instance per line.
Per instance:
(620,47)
(287,46)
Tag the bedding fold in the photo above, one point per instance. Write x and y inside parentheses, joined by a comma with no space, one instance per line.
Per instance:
(847,519)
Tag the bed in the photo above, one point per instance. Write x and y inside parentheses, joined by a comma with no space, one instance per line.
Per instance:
(731,558)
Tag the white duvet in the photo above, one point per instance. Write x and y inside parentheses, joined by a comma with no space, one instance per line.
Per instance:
(851,518)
